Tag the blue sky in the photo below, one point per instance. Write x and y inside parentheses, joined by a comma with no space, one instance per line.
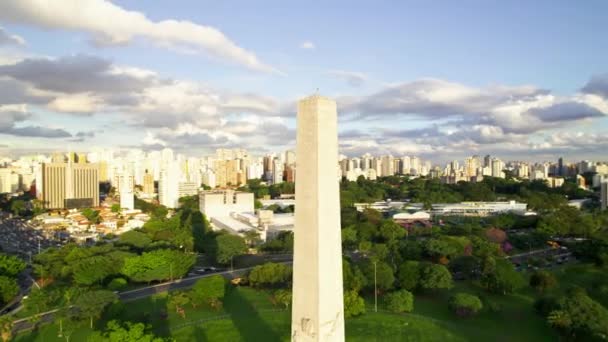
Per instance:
(440,79)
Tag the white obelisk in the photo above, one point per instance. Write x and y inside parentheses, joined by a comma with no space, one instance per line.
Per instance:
(318,308)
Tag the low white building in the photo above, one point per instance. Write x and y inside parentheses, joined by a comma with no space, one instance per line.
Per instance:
(416,216)
(474,208)
(222,203)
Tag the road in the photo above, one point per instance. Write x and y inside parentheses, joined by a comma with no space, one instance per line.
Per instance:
(179,284)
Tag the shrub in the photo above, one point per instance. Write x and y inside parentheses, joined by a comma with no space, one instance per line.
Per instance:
(400,301)
(542,281)
(354,305)
(464,304)
(117,284)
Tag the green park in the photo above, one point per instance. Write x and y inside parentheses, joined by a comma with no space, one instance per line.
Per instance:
(453,280)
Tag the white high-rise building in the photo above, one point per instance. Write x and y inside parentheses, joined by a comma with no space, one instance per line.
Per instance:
(387,166)
(168,185)
(497,167)
(126,193)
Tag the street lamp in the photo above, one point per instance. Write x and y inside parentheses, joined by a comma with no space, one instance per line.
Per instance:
(375,288)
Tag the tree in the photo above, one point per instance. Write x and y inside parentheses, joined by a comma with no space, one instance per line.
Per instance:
(391,232)
(283,297)
(91,215)
(229,246)
(117,284)
(252,237)
(353,278)
(384,276)
(125,332)
(270,275)
(409,275)
(17,207)
(434,276)
(91,304)
(6,328)
(349,238)
(162,264)
(465,267)
(464,304)
(500,276)
(209,290)
(354,305)
(8,289)
(496,235)
(400,301)
(40,300)
(10,265)
(94,269)
(578,314)
(135,239)
(543,281)
(115,208)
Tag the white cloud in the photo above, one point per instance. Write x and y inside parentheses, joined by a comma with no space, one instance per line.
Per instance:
(110,24)
(10,39)
(75,103)
(308,45)
(353,78)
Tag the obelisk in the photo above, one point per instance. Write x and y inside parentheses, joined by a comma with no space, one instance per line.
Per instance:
(318,308)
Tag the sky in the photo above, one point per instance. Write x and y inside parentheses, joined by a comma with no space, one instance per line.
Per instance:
(523,80)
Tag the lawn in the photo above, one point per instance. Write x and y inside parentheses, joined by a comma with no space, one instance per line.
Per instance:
(248,315)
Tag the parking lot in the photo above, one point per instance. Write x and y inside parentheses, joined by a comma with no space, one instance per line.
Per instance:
(19,237)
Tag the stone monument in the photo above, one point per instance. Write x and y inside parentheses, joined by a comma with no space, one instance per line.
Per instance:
(318,308)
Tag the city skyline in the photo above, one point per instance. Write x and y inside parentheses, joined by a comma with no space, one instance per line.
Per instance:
(193,78)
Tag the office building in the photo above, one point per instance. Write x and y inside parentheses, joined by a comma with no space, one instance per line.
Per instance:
(67,185)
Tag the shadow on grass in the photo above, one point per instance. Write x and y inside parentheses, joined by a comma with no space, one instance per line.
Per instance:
(199,335)
(152,311)
(246,319)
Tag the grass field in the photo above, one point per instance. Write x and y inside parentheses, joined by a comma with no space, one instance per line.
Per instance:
(248,315)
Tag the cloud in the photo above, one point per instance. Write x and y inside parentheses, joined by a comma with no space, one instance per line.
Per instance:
(567,111)
(10,39)
(75,74)
(307,45)
(355,79)
(597,85)
(11,115)
(111,25)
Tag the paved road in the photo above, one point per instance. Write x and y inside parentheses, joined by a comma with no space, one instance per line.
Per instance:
(176,284)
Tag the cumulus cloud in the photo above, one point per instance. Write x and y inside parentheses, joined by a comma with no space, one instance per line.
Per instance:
(10,39)
(307,45)
(110,24)
(75,74)
(597,85)
(11,115)
(567,111)
(353,78)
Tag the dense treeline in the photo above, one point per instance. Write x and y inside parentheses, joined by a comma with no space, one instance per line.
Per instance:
(260,189)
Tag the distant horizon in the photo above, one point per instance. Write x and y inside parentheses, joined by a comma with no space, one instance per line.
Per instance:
(121,151)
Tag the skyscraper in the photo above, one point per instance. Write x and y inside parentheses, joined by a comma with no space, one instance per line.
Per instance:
(148,183)
(318,310)
(168,185)
(560,166)
(67,185)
